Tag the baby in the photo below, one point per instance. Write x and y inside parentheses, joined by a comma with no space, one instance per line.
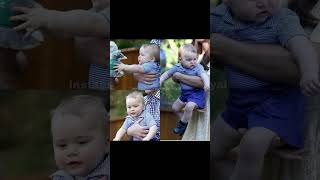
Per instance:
(266,109)
(79,132)
(136,112)
(191,98)
(148,63)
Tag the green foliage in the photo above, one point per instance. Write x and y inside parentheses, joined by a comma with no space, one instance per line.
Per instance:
(129,43)
(118,103)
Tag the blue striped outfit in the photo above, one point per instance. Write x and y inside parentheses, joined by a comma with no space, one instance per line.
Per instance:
(253,102)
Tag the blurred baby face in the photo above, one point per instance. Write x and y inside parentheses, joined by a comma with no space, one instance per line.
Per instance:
(253,10)
(188,59)
(79,144)
(144,56)
(134,107)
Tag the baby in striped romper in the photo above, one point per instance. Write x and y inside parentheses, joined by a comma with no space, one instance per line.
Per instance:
(267,110)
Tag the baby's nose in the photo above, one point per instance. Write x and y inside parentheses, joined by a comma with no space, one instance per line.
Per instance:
(72,151)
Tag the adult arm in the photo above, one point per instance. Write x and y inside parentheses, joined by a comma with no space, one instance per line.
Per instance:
(194,81)
(145,78)
(137,131)
(268,62)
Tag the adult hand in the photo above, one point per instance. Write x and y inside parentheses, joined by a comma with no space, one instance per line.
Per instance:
(176,77)
(137,131)
(145,78)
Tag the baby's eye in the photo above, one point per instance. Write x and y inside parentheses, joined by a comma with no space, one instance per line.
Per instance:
(62,145)
(83,142)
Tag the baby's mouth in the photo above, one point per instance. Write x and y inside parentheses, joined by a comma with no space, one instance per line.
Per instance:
(263,14)
(74,164)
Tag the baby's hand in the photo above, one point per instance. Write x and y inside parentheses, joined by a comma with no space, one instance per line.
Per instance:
(119,67)
(310,84)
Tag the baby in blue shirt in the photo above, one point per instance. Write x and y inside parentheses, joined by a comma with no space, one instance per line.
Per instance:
(268,110)
(136,112)
(148,63)
(191,98)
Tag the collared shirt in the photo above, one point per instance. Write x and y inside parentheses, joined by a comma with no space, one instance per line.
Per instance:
(152,105)
(102,170)
(197,70)
(147,121)
(277,29)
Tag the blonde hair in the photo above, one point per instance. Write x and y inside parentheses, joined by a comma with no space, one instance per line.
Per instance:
(188,48)
(153,50)
(136,95)
(85,107)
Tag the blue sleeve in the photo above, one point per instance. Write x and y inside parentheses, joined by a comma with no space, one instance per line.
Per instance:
(126,123)
(149,120)
(148,67)
(200,70)
(172,70)
(151,67)
(289,26)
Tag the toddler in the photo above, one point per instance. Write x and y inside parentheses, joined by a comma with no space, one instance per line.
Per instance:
(191,98)
(79,132)
(148,63)
(136,111)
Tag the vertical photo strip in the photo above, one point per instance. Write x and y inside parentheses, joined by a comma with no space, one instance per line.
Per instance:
(185,88)
(135,89)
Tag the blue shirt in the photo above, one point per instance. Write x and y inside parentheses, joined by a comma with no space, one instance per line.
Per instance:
(147,121)
(102,170)
(152,105)
(277,29)
(151,67)
(196,70)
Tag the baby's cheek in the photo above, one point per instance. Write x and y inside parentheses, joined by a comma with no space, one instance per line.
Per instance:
(59,159)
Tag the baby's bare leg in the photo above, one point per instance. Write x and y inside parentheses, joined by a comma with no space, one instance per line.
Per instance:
(177,107)
(188,110)
(223,139)
(253,147)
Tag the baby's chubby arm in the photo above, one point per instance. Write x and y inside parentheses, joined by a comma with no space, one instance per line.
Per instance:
(307,59)
(206,81)
(121,132)
(76,22)
(164,77)
(132,68)
(152,132)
